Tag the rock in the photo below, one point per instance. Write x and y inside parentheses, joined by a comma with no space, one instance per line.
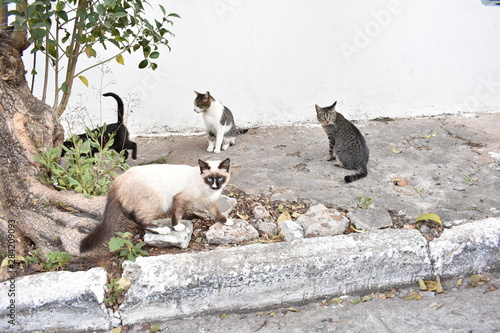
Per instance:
(240,231)
(322,221)
(260,212)
(225,204)
(57,302)
(467,248)
(173,238)
(268,228)
(261,276)
(290,230)
(370,219)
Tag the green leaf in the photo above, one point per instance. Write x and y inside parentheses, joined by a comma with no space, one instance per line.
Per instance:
(154,55)
(432,217)
(143,64)
(173,15)
(116,244)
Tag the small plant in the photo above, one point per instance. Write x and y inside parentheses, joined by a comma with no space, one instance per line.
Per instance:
(116,290)
(53,260)
(56,260)
(365,203)
(469,180)
(90,175)
(127,249)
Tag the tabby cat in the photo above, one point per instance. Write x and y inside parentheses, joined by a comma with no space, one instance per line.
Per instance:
(347,145)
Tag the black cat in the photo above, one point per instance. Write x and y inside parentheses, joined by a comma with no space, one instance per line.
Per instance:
(120,131)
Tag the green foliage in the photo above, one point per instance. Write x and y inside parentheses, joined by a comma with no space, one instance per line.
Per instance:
(116,289)
(83,173)
(364,203)
(65,30)
(127,249)
(56,260)
(53,260)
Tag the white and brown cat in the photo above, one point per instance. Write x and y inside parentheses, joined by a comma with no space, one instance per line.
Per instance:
(219,122)
(149,192)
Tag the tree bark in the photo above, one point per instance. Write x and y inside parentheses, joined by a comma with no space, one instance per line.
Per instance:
(42,217)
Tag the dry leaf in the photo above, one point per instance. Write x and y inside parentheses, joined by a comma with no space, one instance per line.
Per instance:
(400,182)
(382,296)
(285,216)
(223,316)
(395,151)
(431,217)
(292,309)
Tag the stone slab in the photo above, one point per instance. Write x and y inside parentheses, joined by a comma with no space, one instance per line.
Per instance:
(57,302)
(467,248)
(263,275)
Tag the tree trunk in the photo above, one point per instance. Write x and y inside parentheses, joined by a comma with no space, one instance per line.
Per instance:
(41,216)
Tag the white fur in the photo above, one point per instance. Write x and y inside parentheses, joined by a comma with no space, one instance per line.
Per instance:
(151,188)
(212,117)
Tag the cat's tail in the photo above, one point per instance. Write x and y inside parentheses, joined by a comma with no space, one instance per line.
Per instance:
(362,172)
(105,229)
(120,105)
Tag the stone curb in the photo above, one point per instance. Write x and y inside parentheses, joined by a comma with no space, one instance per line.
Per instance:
(251,277)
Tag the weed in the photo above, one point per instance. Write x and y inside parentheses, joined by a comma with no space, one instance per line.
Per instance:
(127,249)
(90,175)
(365,203)
(116,290)
(53,260)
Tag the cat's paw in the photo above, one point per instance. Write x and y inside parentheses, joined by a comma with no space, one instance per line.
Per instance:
(224,147)
(329,158)
(217,150)
(210,149)
(179,227)
(229,222)
(161,230)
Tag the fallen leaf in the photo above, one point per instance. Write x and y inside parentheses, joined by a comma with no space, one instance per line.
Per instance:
(6,260)
(155,328)
(474,280)
(223,316)
(459,282)
(421,284)
(439,287)
(292,309)
(435,305)
(492,288)
(413,295)
(285,216)
(431,217)
(272,314)
(400,182)
(382,296)
(356,230)
(431,285)
(408,226)
(429,135)
(244,217)
(357,301)
(337,300)
(295,215)
(116,329)
(395,151)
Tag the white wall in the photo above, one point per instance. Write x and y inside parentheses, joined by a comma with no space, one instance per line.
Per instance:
(271,61)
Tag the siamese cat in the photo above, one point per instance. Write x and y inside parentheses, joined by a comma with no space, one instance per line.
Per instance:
(219,121)
(347,145)
(121,135)
(149,192)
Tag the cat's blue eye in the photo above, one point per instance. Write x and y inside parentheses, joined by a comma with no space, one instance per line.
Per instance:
(210,179)
(220,179)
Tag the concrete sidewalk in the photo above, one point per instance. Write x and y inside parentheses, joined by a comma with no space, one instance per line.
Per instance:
(452,164)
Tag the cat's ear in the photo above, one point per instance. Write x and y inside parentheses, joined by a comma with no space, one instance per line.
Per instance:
(203,166)
(333,105)
(206,96)
(224,165)
(318,109)
(197,93)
